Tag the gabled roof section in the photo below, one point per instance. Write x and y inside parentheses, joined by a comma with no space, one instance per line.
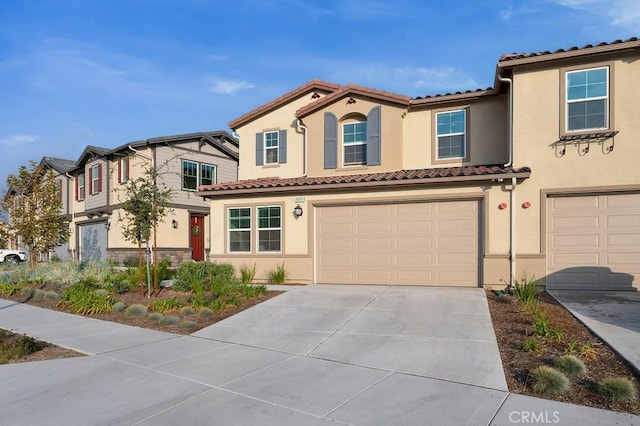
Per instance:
(91,151)
(353,90)
(313,85)
(452,97)
(58,164)
(515,59)
(385,179)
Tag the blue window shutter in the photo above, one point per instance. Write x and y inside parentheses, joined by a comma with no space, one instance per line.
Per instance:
(374,137)
(282,146)
(259,149)
(330,141)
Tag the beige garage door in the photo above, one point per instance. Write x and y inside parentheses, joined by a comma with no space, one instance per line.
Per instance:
(593,242)
(433,243)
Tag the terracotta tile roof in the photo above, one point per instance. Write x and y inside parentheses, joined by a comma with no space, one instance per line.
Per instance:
(353,89)
(275,184)
(514,58)
(263,109)
(489,91)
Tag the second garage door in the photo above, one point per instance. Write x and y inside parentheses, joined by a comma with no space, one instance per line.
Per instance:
(430,243)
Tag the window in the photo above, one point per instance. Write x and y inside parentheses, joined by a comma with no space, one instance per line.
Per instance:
(451,127)
(123,170)
(269,229)
(196,174)
(354,142)
(239,229)
(80,187)
(587,99)
(270,147)
(59,189)
(95,184)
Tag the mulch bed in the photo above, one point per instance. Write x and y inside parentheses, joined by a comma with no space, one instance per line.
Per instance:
(512,326)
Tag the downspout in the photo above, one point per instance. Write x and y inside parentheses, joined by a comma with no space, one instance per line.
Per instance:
(71,178)
(514,182)
(303,129)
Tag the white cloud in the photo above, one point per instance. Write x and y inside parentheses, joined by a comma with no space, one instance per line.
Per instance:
(18,140)
(622,13)
(508,13)
(230,87)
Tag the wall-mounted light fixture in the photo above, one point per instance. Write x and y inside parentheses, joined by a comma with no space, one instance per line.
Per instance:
(297,211)
(174,223)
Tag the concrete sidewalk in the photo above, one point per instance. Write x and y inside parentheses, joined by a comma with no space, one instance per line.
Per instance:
(314,355)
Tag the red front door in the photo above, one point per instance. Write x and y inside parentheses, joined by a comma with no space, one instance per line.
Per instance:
(196,230)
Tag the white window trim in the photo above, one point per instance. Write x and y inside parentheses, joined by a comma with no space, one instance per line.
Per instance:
(258,229)
(607,98)
(229,230)
(215,173)
(96,180)
(124,169)
(464,134)
(265,148)
(198,173)
(82,188)
(355,143)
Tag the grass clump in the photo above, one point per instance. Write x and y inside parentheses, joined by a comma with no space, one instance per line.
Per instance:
(16,348)
(26,291)
(277,275)
(247,273)
(155,316)
(38,293)
(205,313)
(118,307)
(135,311)
(51,296)
(85,300)
(187,311)
(570,365)
(531,345)
(164,305)
(169,320)
(617,388)
(525,289)
(8,290)
(188,324)
(545,379)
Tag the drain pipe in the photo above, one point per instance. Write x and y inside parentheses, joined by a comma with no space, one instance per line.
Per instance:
(512,192)
(73,210)
(303,129)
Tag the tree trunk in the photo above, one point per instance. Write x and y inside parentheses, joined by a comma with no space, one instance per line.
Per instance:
(140,270)
(155,258)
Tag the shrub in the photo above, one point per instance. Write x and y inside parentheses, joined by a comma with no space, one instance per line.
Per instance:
(187,311)
(248,273)
(588,352)
(120,286)
(188,324)
(617,388)
(155,316)
(26,291)
(118,307)
(531,345)
(169,320)
(51,296)
(205,313)
(570,365)
(163,269)
(8,290)
(164,305)
(18,348)
(545,379)
(85,300)
(190,276)
(102,292)
(38,293)
(278,275)
(525,289)
(135,311)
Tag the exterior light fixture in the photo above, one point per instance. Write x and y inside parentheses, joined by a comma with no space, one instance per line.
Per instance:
(174,223)
(297,211)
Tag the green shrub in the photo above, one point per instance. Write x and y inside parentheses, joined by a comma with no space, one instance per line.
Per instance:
(572,347)
(13,349)
(118,307)
(51,296)
(38,293)
(205,313)
(164,305)
(525,289)
(617,388)
(250,291)
(187,311)
(155,316)
(531,345)
(26,291)
(545,379)
(102,292)
(278,275)
(570,365)
(169,320)
(85,300)
(120,286)
(188,324)
(190,276)
(8,290)
(248,273)
(135,311)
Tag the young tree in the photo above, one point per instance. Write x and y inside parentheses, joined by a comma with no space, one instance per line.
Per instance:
(145,205)
(34,209)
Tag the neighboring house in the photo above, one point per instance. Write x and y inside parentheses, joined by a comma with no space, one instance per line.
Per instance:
(95,184)
(351,185)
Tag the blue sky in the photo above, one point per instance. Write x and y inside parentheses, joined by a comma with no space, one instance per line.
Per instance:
(107,72)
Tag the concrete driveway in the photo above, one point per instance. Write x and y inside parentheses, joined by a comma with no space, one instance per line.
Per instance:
(365,355)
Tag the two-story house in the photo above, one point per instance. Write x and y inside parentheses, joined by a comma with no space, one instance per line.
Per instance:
(94,189)
(352,185)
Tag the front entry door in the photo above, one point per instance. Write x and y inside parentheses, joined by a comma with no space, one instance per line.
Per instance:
(196,230)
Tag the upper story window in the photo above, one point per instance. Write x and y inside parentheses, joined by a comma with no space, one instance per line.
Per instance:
(354,143)
(195,174)
(95,184)
(123,170)
(270,147)
(451,134)
(587,97)
(80,187)
(59,189)
(239,229)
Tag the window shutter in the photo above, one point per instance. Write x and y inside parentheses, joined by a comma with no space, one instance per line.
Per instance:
(99,178)
(120,180)
(282,146)
(128,170)
(373,137)
(90,174)
(259,149)
(330,141)
(76,179)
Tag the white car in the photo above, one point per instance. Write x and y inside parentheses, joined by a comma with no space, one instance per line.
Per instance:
(12,256)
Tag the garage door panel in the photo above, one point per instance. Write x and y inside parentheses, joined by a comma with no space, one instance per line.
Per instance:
(593,242)
(406,243)
(337,244)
